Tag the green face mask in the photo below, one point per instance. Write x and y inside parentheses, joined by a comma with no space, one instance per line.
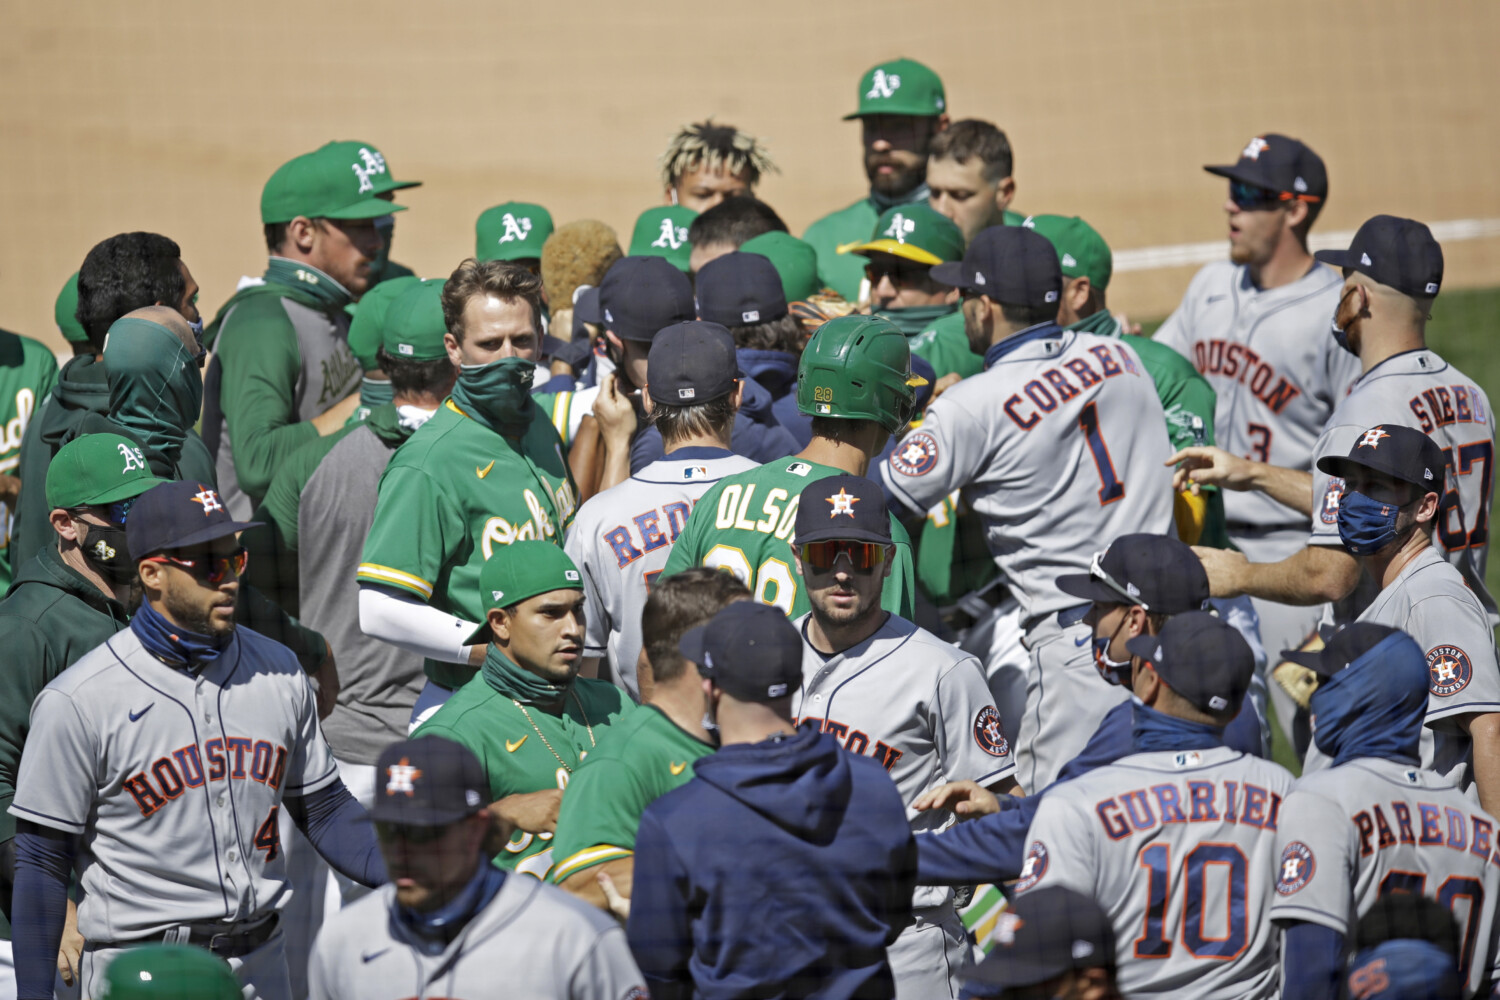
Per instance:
(498,394)
(915,319)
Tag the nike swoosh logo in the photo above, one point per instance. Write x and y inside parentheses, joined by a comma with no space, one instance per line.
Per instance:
(135,716)
(513,747)
(1080,642)
(1214,298)
(481,473)
(677,769)
(371,956)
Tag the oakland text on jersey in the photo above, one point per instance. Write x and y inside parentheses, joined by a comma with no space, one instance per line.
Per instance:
(235,757)
(649,535)
(1239,363)
(1188,802)
(1440,406)
(856,741)
(1043,394)
(1432,826)
(499,531)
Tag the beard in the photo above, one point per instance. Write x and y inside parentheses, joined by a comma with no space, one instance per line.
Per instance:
(830,616)
(195,617)
(904,177)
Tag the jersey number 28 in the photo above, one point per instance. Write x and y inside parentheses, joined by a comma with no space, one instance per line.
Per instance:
(771,582)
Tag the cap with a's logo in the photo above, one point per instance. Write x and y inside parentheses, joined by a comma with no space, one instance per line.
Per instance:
(842,507)
(428,781)
(740,289)
(340,180)
(178,516)
(65,312)
(519,571)
(414,325)
(515,230)
(376,168)
(663,232)
(1043,934)
(97,469)
(1279,163)
(1403,453)
(900,87)
(691,363)
(1158,572)
(1081,251)
(1201,658)
(917,233)
(1393,251)
(640,296)
(749,649)
(1009,264)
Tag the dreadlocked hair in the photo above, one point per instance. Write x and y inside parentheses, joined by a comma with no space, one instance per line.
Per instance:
(704,144)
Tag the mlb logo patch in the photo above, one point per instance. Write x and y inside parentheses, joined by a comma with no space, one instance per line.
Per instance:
(750,316)
(695,472)
(686,393)
(571,575)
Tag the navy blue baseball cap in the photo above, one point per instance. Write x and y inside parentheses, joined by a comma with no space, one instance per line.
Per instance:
(1201,658)
(691,363)
(1043,934)
(428,781)
(1400,253)
(1158,572)
(1403,453)
(1009,264)
(749,649)
(641,296)
(739,289)
(842,507)
(177,516)
(1279,163)
(1405,969)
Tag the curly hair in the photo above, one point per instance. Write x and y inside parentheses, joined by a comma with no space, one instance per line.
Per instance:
(706,145)
(576,254)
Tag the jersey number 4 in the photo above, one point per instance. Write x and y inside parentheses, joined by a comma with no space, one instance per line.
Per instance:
(1110,486)
(268,835)
(1198,937)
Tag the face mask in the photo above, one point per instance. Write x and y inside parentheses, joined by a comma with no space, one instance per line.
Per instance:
(197,326)
(1116,672)
(1366,526)
(1341,333)
(105,550)
(497,394)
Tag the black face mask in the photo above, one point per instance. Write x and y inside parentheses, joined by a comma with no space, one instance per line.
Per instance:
(105,550)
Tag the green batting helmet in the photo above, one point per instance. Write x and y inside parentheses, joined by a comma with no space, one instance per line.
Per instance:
(858,368)
(170,972)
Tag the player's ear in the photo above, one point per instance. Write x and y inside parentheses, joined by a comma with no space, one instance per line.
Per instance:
(152,574)
(1427,508)
(302,233)
(738,394)
(499,623)
(647,402)
(62,523)
(1004,193)
(890,561)
(797,558)
(1077,293)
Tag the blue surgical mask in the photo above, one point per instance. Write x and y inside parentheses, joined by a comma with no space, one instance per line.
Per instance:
(1366,526)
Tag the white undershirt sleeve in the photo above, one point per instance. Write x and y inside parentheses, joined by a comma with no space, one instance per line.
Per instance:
(405,621)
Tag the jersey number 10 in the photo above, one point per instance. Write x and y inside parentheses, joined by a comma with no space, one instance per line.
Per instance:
(1197,937)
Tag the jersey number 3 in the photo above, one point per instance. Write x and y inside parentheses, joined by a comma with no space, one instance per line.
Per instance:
(1110,486)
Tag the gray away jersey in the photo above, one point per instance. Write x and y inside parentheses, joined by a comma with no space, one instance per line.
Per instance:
(1060,446)
(173,781)
(1272,360)
(532,940)
(1420,390)
(916,704)
(620,541)
(1351,834)
(1178,847)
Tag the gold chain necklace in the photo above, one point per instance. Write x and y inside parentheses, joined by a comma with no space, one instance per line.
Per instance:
(537,729)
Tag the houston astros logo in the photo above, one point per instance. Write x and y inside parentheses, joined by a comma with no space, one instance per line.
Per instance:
(208,499)
(1328,511)
(916,456)
(1373,438)
(987,732)
(671,237)
(400,777)
(884,84)
(1006,926)
(133,458)
(1035,866)
(899,228)
(1297,867)
(374,163)
(515,229)
(1448,670)
(1254,148)
(843,503)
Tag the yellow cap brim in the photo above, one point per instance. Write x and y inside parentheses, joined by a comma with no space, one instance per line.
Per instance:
(915,380)
(895,249)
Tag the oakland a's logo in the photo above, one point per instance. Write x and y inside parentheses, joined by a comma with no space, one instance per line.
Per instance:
(1448,670)
(671,237)
(987,732)
(900,228)
(1035,866)
(1328,510)
(884,84)
(133,458)
(1297,867)
(515,229)
(916,456)
(374,163)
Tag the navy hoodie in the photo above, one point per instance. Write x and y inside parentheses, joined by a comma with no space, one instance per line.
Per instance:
(755,435)
(783,869)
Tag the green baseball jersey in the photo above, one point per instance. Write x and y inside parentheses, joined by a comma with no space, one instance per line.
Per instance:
(945,347)
(643,758)
(524,749)
(744,525)
(28,371)
(452,495)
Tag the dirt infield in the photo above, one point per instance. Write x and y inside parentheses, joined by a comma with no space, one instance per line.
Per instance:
(170,115)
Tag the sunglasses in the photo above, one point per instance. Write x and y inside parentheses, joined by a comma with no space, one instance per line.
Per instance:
(407,832)
(1096,571)
(863,556)
(211,569)
(115,513)
(900,272)
(1253,197)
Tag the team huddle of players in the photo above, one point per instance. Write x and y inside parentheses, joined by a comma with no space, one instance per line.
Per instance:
(775,592)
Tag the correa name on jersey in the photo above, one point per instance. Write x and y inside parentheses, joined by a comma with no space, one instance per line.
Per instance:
(1039,392)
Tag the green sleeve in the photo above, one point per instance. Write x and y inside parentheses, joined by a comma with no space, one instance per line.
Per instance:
(257,351)
(688,548)
(413,535)
(260,614)
(32,666)
(601,810)
(41,369)
(899,595)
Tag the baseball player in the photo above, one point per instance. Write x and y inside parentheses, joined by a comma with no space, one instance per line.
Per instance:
(649,754)
(1256,326)
(621,538)
(170,972)
(451,924)
(1375,823)
(366,329)
(889,690)
(1176,841)
(706,163)
(28,372)
(855,381)
(486,471)
(513,231)
(1056,443)
(527,715)
(901,108)
(1408,949)
(906,243)
(173,818)
(1053,942)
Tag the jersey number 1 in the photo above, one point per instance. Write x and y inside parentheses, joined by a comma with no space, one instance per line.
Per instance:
(1110,487)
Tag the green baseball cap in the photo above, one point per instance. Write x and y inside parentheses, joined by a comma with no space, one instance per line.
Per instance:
(367,329)
(915,232)
(414,324)
(65,309)
(373,160)
(1081,251)
(170,972)
(521,570)
(515,230)
(332,182)
(663,232)
(97,469)
(795,260)
(900,87)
